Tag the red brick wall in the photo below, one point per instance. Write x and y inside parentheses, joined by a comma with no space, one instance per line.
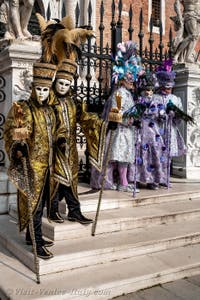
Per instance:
(136,6)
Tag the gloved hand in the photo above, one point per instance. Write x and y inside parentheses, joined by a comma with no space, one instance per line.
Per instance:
(162,115)
(20,150)
(171,113)
(61,143)
(112,125)
(137,123)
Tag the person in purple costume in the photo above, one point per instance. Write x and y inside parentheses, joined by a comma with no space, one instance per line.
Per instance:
(171,119)
(151,152)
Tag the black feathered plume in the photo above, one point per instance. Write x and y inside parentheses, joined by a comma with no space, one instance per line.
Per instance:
(179,113)
(135,111)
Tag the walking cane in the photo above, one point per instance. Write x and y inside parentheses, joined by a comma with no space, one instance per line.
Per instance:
(169,149)
(102,184)
(30,215)
(135,167)
(115,116)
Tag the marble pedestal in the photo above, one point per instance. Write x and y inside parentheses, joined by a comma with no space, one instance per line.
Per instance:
(188,88)
(16,60)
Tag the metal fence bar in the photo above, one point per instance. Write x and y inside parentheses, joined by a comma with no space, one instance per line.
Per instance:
(100,57)
(130,28)
(97,60)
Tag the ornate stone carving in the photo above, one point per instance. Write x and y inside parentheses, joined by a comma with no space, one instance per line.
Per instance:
(187,27)
(22,90)
(15,14)
(194,131)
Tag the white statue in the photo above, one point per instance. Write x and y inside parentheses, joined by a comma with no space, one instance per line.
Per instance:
(15,14)
(187,26)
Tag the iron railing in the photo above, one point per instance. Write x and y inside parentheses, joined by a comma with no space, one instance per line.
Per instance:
(97,59)
(94,83)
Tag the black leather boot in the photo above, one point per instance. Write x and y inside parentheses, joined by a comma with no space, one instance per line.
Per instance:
(43,242)
(76,216)
(73,205)
(43,253)
(56,217)
(152,186)
(54,211)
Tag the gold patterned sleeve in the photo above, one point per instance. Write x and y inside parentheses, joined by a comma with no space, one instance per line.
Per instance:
(12,123)
(60,125)
(94,130)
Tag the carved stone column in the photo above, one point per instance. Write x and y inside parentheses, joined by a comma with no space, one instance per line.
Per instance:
(70,6)
(16,60)
(187,87)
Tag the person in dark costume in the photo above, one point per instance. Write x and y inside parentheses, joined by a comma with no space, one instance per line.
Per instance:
(31,131)
(66,162)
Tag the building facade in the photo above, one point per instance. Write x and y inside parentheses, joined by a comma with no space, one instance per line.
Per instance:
(158,10)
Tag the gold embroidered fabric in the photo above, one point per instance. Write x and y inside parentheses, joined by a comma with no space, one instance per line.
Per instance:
(66,167)
(46,124)
(43,132)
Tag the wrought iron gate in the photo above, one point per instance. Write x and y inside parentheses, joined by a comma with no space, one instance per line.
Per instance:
(96,61)
(94,82)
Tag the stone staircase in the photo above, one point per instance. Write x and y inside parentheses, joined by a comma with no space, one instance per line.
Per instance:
(7,193)
(139,242)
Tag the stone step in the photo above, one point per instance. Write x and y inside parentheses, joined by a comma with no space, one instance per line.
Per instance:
(7,193)
(103,281)
(114,220)
(3,204)
(125,219)
(114,199)
(88,251)
(13,211)
(6,185)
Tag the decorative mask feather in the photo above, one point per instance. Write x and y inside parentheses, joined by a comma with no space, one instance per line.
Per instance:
(60,40)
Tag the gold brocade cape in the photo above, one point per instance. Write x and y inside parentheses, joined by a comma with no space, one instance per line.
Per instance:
(43,132)
(94,129)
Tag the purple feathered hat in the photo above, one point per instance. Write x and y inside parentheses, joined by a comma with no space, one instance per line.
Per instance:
(165,75)
(127,64)
(146,81)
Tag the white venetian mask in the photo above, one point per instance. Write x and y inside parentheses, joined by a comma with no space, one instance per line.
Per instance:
(42,93)
(62,86)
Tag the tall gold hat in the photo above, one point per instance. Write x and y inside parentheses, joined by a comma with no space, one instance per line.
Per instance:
(67,70)
(43,74)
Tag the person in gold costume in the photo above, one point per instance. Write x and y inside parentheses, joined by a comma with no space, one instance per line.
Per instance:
(34,120)
(66,164)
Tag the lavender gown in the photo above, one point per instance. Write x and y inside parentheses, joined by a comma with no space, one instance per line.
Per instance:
(151,152)
(177,144)
(160,140)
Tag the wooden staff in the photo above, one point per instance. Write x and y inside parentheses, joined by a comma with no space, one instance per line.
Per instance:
(169,130)
(135,166)
(102,184)
(114,116)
